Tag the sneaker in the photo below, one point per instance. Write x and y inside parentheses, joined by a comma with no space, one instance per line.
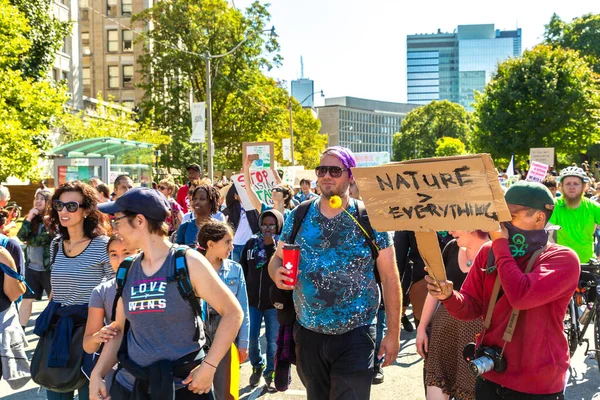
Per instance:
(377,375)
(255,377)
(269,378)
(406,324)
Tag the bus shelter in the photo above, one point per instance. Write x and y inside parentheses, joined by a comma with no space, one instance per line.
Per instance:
(104,158)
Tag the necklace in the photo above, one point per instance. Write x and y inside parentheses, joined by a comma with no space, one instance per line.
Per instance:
(328,225)
(72,245)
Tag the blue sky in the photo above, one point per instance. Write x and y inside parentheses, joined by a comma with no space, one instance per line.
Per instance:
(358,48)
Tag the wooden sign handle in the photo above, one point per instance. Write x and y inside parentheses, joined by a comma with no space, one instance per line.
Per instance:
(429,248)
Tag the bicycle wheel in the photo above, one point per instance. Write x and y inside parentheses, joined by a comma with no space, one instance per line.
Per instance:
(14,211)
(597,336)
(571,331)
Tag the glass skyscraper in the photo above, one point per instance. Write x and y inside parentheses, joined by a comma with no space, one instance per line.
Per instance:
(451,66)
(303,91)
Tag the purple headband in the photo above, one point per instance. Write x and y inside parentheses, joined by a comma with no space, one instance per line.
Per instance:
(343,154)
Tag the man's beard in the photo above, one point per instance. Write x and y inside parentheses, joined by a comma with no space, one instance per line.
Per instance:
(573,200)
(334,191)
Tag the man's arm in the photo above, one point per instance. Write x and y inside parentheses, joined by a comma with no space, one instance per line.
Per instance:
(554,277)
(392,295)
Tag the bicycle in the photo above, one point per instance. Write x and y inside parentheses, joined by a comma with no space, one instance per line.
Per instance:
(584,309)
(14,211)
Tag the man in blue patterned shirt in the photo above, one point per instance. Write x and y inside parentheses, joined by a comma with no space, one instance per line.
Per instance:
(336,296)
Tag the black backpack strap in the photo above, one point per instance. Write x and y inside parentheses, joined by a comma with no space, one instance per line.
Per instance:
(120,280)
(299,214)
(363,220)
(181,276)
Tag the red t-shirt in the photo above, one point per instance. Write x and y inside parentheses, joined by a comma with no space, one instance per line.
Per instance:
(538,356)
(182,197)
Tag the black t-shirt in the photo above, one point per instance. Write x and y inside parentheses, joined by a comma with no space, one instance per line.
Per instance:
(4,300)
(453,271)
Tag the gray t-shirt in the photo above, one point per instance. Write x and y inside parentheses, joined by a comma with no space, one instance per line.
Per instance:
(103,296)
(161,322)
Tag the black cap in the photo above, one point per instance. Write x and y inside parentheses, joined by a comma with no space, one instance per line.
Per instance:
(149,202)
(193,166)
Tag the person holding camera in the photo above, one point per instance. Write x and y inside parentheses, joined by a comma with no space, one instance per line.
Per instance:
(521,286)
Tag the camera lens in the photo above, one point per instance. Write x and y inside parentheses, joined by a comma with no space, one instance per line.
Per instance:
(481,365)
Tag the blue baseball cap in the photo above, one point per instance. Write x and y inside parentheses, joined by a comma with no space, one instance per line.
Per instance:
(148,202)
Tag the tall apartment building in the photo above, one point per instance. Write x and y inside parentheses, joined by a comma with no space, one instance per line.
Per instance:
(67,63)
(451,66)
(362,125)
(109,53)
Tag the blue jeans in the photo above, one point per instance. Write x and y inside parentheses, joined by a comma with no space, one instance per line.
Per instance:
(381,329)
(257,359)
(236,254)
(83,393)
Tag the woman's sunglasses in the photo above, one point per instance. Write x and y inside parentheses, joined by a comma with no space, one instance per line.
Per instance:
(72,206)
(277,189)
(334,172)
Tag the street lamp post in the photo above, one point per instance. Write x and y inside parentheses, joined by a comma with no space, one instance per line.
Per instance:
(208,57)
(291,123)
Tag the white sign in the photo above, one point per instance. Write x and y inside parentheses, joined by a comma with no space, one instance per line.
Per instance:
(286,149)
(263,182)
(289,174)
(544,155)
(537,172)
(372,159)
(198,122)
(80,162)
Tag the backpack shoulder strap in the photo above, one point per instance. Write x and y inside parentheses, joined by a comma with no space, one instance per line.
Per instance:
(299,215)
(181,276)
(120,280)
(3,241)
(363,220)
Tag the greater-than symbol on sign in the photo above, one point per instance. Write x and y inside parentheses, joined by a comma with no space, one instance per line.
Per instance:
(425,197)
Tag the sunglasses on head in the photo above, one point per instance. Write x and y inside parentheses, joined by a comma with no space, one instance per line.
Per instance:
(72,206)
(334,172)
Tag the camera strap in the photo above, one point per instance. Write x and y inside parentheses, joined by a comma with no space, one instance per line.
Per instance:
(512,322)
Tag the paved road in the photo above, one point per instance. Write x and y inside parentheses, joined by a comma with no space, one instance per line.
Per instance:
(403,379)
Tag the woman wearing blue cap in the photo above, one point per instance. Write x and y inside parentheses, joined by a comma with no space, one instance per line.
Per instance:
(160,348)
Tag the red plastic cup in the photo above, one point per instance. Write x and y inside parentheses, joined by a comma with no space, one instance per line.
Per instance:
(291,259)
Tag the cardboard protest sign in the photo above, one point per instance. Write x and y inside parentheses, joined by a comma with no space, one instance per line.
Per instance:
(537,172)
(263,182)
(544,155)
(435,194)
(265,151)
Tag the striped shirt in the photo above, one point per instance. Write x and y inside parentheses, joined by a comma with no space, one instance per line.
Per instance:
(74,278)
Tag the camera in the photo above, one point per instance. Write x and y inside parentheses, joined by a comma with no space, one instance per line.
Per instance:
(483,359)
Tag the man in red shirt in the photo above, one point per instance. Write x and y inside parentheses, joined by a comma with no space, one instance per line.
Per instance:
(193,171)
(537,358)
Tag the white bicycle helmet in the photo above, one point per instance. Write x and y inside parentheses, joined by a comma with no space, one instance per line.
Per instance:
(574,171)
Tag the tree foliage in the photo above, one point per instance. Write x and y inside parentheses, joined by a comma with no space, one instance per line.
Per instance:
(28,108)
(46,35)
(448,146)
(423,126)
(581,34)
(549,97)
(247,106)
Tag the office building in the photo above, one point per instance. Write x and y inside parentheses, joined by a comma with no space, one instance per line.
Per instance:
(67,62)
(303,91)
(109,50)
(451,66)
(362,125)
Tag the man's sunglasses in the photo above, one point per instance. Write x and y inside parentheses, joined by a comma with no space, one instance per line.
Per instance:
(271,227)
(72,206)
(334,172)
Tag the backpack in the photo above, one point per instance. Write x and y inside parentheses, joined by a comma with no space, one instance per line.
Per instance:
(180,275)
(363,222)
(11,272)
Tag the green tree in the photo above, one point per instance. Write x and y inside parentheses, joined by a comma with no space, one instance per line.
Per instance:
(581,34)
(547,98)
(46,35)
(247,106)
(423,126)
(448,146)
(28,108)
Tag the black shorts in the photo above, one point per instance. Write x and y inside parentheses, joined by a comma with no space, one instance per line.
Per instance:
(38,281)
